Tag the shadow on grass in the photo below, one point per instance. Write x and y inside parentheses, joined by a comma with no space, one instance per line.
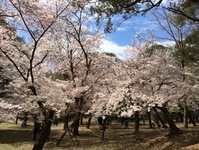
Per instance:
(14,136)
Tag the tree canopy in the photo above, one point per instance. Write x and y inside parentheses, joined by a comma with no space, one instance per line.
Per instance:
(106,9)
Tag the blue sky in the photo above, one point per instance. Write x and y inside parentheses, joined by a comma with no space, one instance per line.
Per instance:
(125,33)
(117,40)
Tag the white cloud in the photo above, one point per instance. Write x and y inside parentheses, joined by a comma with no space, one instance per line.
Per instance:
(122,29)
(112,47)
(166,43)
(167,2)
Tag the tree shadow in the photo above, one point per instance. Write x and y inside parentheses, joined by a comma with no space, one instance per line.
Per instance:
(14,136)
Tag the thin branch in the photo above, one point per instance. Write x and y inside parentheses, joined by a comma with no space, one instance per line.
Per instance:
(41,61)
(23,19)
(179,12)
(13,62)
(38,19)
(23,52)
(36,42)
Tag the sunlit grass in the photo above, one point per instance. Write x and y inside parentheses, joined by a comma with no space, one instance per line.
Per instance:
(9,126)
(17,146)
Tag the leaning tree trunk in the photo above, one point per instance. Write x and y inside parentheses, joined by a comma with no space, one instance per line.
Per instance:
(159,118)
(45,131)
(137,122)
(65,129)
(174,130)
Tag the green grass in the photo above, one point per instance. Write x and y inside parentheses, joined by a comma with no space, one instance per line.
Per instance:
(13,137)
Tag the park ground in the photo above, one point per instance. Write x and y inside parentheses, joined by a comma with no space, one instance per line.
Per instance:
(13,137)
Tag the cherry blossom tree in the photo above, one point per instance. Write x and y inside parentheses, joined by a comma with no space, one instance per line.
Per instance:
(33,19)
(85,66)
(176,29)
(75,54)
(151,79)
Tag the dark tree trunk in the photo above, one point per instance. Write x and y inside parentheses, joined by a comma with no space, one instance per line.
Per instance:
(185,116)
(25,119)
(65,122)
(191,119)
(45,132)
(143,120)
(149,117)
(197,118)
(137,122)
(16,119)
(104,127)
(123,120)
(180,117)
(174,130)
(75,125)
(159,118)
(89,122)
(103,133)
(81,121)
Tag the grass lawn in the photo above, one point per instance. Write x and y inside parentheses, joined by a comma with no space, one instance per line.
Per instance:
(13,137)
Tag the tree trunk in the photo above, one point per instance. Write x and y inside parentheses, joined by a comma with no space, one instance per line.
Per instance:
(191,119)
(45,132)
(174,130)
(104,127)
(123,120)
(159,118)
(65,122)
(103,133)
(65,129)
(149,117)
(137,122)
(81,121)
(16,119)
(185,116)
(75,125)
(143,120)
(89,122)
(197,118)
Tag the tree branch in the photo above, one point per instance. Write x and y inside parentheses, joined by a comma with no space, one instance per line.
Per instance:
(41,61)
(179,12)
(15,65)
